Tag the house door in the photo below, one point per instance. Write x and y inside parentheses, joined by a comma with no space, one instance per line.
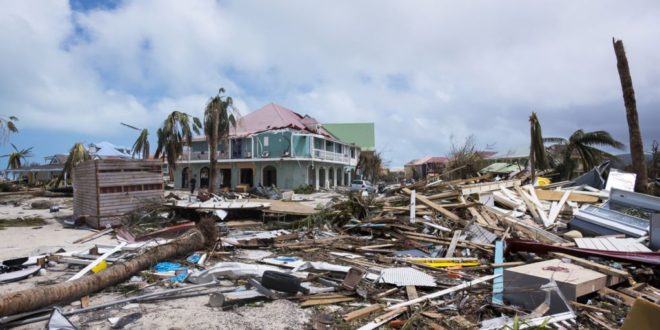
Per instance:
(270,176)
(204,177)
(225,177)
(247,176)
(185,177)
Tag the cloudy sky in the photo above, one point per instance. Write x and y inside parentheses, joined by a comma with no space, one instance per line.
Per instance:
(425,72)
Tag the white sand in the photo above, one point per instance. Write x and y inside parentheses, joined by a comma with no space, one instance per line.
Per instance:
(186,313)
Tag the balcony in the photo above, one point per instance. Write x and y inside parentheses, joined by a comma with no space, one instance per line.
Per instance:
(332,156)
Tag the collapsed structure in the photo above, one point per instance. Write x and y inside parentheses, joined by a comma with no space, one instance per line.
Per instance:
(465,253)
(276,146)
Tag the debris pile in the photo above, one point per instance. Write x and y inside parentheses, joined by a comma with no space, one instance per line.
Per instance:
(464,254)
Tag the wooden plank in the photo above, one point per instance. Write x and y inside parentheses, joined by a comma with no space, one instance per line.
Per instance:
(411,292)
(96,262)
(628,300)
(362,312)
(551,195)
(554,212)
(422,199)
(452,245)
(498,283)
(325,301)
(441,292)
(530,206)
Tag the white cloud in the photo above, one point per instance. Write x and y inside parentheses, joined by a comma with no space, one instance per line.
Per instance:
(422,71)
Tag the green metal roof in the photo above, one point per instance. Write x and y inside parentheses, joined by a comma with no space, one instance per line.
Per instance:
(501,168)
(362,134)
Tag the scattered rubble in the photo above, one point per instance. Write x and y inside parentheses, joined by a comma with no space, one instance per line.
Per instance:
(479,252)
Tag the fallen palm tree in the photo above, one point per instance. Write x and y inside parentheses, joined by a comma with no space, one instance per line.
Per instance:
(204,234)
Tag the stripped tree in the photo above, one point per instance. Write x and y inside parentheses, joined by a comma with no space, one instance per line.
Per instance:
(78,153)
(7,126)
(537,157)
(636,144)
(141,145)
(176,132)
(583,146)
(219,116)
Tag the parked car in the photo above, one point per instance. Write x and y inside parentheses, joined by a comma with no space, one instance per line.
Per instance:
(360,185)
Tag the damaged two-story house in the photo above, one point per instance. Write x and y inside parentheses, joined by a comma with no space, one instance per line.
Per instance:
(272,146)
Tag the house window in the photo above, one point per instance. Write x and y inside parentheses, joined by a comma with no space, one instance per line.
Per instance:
(265,141)
(352,152)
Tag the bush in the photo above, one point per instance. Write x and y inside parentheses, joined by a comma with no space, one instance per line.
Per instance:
(304,189)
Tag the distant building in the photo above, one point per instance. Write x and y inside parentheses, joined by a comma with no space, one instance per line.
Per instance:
(421,168)
(275,146)
(53,165)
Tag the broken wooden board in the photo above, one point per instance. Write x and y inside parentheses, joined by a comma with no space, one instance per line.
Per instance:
(325,301)
(362,312)
(422,199)
(551,195)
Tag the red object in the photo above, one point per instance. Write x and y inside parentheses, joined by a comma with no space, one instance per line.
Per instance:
(650,258)
(397,324)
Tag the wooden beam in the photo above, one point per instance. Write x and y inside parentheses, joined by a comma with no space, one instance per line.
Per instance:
(628,300)
(452,245)
(579,197)
(442,292)
(424,200)
(592,265)
(362,312)
(411,292)
(554,212)
(96,262)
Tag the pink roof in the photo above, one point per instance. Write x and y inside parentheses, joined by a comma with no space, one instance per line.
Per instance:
(273,116)
(429,160)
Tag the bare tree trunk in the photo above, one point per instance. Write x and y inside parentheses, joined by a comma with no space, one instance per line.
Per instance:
(636,144)
(61,293)
(213,146)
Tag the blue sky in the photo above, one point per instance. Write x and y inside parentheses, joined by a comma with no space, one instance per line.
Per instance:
(425,72)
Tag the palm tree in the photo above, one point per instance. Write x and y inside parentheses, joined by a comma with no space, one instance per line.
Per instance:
(7,126)
(177,131)
(219,116)
(141,145)
(77,154)
(15,158)
(537,157)
(583,145)
(370,164)
(636,144)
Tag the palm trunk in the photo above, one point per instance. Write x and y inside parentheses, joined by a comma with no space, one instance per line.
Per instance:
(213,146)
(636,145)
(44,296)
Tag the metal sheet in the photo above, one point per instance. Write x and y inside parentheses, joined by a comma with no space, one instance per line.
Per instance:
(402,276)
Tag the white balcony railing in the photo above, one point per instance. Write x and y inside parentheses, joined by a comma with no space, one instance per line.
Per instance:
(329,155)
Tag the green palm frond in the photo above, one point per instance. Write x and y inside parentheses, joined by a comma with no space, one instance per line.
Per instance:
(78,153)
(141,145)
(16,158)
(219,117)
(176,131)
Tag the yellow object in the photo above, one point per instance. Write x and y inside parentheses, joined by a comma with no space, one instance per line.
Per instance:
(541,181)
(101,266)
(445,262)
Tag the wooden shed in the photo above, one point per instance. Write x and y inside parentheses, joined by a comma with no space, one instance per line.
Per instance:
(105,190)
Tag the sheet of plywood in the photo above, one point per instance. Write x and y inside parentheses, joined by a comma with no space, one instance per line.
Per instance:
(611,244)
(551,195)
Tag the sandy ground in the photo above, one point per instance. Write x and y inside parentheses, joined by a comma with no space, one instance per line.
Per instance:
(185,313)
